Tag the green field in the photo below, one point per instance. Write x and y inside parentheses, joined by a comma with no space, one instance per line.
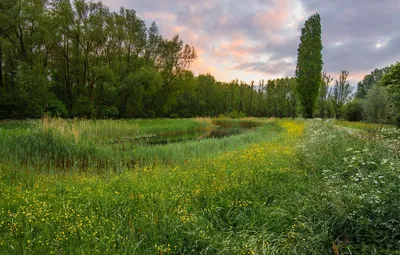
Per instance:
(287,187)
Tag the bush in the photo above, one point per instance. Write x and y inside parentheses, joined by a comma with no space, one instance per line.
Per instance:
(83,107)
(109,112)
(30,96)
(353,111)
(376,105)
(391,81)
(57,108)
(233,114)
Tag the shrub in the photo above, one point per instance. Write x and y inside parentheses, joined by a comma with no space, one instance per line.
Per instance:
(83,107)
(233,114)
(57,108)
(353,111)
(376,105)
(109,112)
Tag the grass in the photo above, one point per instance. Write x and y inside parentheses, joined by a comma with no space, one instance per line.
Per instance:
(290,187)
(178,153)
(58,144)
(364,126)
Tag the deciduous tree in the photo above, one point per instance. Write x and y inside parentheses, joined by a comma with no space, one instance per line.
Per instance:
(391,81)
(324,94)
(341,93)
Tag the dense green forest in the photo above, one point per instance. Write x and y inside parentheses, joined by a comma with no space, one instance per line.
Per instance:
(79,59)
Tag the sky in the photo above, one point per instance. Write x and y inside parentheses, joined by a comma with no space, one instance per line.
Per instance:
(258,39)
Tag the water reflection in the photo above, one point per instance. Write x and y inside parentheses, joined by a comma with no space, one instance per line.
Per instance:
(216,132)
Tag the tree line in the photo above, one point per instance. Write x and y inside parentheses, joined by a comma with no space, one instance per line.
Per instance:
(79,59)
(377,98)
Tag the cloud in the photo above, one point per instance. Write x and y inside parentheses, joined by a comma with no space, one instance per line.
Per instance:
(202,67)
(362,54)
(281,68)
(358,36)
(258,39)
(160,16)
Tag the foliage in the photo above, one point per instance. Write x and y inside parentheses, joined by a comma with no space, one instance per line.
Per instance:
(370,80)
(309,65)
(83,107)
(54,143)
(323,95)
(56,107)
(341,93)
(57,55)
(203,205)
(362,126)
(139,92)
(109,112)
(391,137)
(376,105)
(357,206)
(80,52)
(270,191)
(234,115)
(353,110)
(391,81)
(29,97)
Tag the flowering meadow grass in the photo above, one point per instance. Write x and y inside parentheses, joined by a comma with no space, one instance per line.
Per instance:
(290,187)
(365,126)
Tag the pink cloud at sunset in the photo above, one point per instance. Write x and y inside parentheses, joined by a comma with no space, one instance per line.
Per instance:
(253,40)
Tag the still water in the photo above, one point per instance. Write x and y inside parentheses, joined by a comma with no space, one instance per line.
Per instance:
(219,130)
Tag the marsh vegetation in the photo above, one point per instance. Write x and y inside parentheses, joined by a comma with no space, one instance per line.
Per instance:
(288,186)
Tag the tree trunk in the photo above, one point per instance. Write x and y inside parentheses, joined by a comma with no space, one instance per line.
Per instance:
(251,101)
(1,63)
(68,87)
(85,69)
(128,59)
(91,89)
(135,64)
(77,67)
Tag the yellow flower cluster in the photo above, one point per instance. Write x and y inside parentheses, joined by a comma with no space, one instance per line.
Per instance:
(109,212)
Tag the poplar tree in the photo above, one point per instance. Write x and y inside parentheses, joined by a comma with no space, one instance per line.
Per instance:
(309,64)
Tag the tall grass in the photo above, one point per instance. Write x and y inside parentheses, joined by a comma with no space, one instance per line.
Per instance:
(177,153)
(222,204)
(352,206)
(102,130)
(290,187)
(59,144)
(52,149)
(364,126)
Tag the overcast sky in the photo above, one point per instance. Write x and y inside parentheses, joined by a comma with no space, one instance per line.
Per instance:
(258,39)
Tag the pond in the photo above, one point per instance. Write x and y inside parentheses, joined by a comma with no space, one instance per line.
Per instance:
(220,129)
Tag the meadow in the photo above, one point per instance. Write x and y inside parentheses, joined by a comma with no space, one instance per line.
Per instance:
(287,187)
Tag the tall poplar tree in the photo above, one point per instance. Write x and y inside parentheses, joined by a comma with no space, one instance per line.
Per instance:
(309,64)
